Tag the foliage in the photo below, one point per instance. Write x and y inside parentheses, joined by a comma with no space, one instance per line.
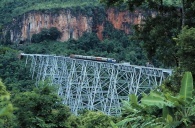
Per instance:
(6,107)
(91,119)
(161,109)
(186,46)
(86,42)
(134,4)
(13,71)
(54,33)
(186,86)
(10,9)
(158,42)
(42,108)
(7,40)
(46,34)
(159,29)
(36,38)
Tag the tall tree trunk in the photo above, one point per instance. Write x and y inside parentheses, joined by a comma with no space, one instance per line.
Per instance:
(183,12)
(161,7)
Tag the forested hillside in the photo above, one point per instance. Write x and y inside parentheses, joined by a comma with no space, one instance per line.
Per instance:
(165,37)
(12,8)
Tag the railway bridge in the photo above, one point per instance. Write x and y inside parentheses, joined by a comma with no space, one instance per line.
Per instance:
(93,85)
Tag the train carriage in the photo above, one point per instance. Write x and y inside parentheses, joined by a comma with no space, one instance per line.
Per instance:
(103,59)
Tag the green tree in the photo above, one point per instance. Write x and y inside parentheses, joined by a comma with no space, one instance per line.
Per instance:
(13,71)
(186,46)
(6,108)
(7,40)
(54,33)
(42,108)
(46,34)
(158,5)
(91,119)
(36,38)
(87,42)
(157,34)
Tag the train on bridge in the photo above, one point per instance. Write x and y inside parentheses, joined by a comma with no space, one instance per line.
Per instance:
(97,86)
(102,59)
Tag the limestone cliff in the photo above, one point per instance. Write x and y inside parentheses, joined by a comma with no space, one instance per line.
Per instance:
(72,23)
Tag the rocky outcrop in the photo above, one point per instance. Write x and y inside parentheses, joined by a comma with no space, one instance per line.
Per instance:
(72,24)
(124,20)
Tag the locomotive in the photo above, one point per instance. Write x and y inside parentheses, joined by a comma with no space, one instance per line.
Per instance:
(102,59)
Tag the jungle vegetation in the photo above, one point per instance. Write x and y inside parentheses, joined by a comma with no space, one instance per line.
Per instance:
(166,40)
(12,8)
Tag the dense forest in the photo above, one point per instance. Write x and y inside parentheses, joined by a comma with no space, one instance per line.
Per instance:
(166,40)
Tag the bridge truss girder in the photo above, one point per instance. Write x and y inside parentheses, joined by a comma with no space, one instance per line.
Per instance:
(92,85)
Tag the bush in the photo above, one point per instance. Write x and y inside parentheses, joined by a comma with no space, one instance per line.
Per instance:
(88,41)
(42,108)
(185,43)
(54,33)
(36,38)
(46,34)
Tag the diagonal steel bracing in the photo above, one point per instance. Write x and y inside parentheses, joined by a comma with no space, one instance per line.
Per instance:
(92,85)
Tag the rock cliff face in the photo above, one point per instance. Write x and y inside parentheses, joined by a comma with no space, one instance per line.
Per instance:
(72,24)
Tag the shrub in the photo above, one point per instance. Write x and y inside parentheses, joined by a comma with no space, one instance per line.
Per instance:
(54,33)
(46,34)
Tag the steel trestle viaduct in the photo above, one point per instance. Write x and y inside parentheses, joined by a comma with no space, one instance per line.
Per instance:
(93,85)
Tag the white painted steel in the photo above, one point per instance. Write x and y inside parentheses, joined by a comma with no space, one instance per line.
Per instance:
(93,85)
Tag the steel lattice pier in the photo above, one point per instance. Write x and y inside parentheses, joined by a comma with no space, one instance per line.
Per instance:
(92,85)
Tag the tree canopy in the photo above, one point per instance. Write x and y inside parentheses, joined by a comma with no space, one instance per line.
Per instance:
(6,107)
